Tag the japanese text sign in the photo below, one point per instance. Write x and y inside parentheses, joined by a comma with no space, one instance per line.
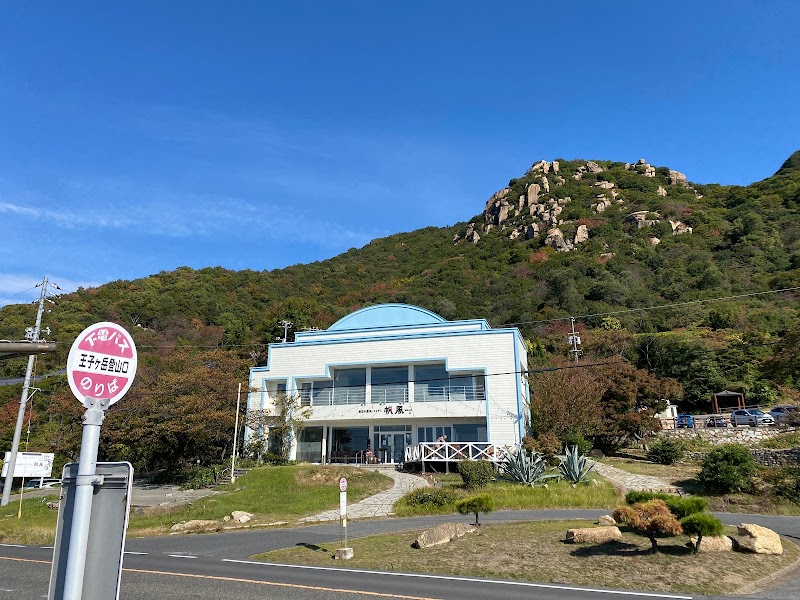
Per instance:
(102,363)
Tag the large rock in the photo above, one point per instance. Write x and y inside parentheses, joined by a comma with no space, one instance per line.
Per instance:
(582,234)
(531,231)
(607,521)
(757,539)
(593,167)
(661,191)
(677,178)
(594,535)
(533,193)
(555,239)
(555,167)
(442,534)
(502,214)
(241,516)
(714,543)
(545,184)
(195,525)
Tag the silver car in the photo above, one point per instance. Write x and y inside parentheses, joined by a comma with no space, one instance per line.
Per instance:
(752,417)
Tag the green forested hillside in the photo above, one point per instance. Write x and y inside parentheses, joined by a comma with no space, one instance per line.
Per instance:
(653,304)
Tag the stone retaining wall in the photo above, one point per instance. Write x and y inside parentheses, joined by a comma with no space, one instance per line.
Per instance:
(726,435)
(763,456)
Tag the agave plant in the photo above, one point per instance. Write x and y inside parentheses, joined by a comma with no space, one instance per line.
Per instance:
(526,468)
(574,467)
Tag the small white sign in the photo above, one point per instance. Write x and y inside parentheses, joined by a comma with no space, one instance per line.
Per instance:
(342,504)
(343,485)
(31,464)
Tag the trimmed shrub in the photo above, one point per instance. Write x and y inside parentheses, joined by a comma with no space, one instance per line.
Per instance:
(728,468)
(665,452)
(678,506)
(431,496)
(482,503)
(652,518)
(475,473)
(701,524)
(634,496)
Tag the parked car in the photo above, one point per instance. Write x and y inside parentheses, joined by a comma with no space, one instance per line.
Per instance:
(716,421)
(780,413)
(752,417)
(38,483)
(684,420)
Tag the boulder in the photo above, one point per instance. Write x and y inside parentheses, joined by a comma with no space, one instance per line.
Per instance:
(194,525)
(240,516)
(714,543)
(607,521)
(755,538)
(677,178)
(593,167)
(606,185)
(545,184)
(533,193)
(594,535)
(654,241)
(555,167)
(442,534)
(502,214)
(678,227)
(582,234)
(661,191)
(542,166)
(555,239)
(531,231)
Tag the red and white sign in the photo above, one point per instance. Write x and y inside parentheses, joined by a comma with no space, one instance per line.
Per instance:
(102,363)
(343,484)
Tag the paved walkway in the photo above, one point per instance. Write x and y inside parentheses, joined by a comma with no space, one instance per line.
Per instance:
(632,482)
(379,505)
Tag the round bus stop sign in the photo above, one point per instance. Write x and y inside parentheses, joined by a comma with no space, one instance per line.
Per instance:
(102,363)
(343,484)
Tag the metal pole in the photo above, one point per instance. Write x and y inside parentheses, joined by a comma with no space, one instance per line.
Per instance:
(84,491)
(12,459)
(235,434)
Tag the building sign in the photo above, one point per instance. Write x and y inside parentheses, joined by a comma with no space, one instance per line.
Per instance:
(30,464)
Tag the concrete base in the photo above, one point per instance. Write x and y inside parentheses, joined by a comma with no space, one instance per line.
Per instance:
(343,554)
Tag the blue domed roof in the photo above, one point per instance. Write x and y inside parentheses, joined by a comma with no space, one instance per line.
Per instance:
(386,315)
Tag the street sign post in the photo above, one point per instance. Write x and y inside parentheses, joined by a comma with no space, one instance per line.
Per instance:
(100,369)
(106,544)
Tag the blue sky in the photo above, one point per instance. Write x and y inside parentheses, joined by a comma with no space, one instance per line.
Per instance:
(139,137)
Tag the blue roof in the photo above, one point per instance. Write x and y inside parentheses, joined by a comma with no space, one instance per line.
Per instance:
(386,315)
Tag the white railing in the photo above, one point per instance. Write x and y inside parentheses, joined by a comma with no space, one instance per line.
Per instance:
(391,395)
(445,393)
(457,451)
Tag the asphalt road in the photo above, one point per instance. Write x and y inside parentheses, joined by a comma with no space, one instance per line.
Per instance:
(215,566)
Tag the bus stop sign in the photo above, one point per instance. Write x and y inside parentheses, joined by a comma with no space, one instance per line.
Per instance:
(102,363)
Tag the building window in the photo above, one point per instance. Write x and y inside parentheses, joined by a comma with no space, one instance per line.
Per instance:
(389,385)
(348,442)
(349,386)
(316,393)
(469,432)
(309,444)
(431,434)
(432,383)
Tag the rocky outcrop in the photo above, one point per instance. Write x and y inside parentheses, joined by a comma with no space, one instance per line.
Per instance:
(533,193)
(555,239)
(442,534)
(531,231)
(755,538)
(605,185)
(594,535)
(555,166)
(581,235)
(661,191)
(542,166)
(640,218)
(679,228)
(545,185)
(677,178)
(654,241)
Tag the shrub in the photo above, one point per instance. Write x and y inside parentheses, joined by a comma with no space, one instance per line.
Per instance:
(652,518)
(544,443)
(572,438)
(728,468)
(574,467)
(785,482)
(665,452)
(482,503)
(475,473)
(431,496)
(678,506)
(701,524)
(527,468)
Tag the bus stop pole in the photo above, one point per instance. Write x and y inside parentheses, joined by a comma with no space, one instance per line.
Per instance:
(84,491)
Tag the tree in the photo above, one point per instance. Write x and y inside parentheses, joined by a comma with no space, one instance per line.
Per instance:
(728,468)
(482,503)
(652,518)
(283,420)
(701,524)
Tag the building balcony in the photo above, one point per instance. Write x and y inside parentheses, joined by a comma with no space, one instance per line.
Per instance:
(391,395)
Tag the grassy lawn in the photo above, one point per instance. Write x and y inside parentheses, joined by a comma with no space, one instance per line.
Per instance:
(513,496)
(270,493)
(536,552)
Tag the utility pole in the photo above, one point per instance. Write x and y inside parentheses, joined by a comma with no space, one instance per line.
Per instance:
(235,435)
(12,460)
(574,341)
(286,325)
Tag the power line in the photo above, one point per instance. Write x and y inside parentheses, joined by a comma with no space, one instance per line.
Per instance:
(20,293)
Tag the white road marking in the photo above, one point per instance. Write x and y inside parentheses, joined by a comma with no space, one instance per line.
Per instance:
(48,547)
(468,579)
(180,556)
(13,545)
(140,553)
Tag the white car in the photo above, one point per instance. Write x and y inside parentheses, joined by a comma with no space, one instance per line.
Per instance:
(752,417)
(40,483)
(780,413)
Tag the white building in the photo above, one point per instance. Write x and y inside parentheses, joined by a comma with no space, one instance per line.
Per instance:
(388,377)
